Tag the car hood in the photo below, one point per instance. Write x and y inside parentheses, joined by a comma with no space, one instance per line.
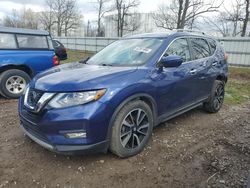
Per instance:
(79,77)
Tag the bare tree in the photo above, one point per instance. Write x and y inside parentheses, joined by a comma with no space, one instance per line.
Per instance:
(164,18)
(132,22)
(246,18)
(124,9)
(234,15)
(235,19)
(47,17)
(71,16)
(91,29)
(24,18)
(181,13)
(227,22)
(102,9)
(220,24)
(12,20)
(62,13)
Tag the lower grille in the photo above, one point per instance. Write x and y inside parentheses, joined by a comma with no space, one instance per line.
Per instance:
(33,117)
(33,129)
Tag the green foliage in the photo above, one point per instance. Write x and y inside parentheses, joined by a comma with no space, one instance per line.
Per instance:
(238,86)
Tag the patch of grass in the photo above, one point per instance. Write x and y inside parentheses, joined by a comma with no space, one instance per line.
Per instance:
(237,88)
(238,85)
(76,55)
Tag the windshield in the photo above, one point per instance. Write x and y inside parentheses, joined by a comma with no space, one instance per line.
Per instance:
(126,52)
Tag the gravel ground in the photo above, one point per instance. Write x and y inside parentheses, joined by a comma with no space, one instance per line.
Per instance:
(196,149)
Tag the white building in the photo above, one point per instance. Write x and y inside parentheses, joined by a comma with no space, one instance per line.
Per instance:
(145,21)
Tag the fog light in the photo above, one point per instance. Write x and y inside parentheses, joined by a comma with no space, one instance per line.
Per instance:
(76,135)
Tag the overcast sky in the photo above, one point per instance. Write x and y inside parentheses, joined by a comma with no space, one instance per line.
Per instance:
(85,6)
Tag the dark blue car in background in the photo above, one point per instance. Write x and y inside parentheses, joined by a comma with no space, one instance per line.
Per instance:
(23,54)
(115,98)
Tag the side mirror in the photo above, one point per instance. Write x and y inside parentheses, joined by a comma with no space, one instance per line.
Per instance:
(171,61)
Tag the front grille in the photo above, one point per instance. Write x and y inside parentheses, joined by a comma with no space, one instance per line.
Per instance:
(33,96)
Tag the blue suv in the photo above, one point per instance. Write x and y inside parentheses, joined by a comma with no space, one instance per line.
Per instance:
(23,54)
(113,100)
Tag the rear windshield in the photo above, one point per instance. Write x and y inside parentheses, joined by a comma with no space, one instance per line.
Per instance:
(7,41)
(32,41)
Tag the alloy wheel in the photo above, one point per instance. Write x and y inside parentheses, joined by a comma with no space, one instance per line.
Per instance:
(134,129)
(15,84)
(219,96)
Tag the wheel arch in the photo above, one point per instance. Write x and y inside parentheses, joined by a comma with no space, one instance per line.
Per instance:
(24,68)
(148,99)
(222,77)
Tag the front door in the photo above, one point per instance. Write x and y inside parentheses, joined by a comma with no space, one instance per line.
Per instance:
(176,87)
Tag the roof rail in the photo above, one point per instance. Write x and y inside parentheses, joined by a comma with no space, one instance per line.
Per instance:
(191,31)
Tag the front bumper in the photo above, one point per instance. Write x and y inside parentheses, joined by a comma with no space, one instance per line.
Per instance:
(49,127)
(67,149)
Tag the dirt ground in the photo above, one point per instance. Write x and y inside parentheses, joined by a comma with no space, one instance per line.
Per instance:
(196,149)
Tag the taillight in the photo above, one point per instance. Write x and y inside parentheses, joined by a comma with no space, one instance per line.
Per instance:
(64,49)
(226,56)
(55,60)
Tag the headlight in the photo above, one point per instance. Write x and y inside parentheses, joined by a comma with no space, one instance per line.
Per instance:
(62,100)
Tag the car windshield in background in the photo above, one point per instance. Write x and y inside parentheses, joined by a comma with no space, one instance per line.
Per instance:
(126,52)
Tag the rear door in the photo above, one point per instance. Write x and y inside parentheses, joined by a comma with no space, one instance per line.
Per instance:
(202,61)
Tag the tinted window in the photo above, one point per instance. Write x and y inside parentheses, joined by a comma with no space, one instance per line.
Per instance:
(212,45)
(32,41)
(55,43)
(50,42)
(179,47)
(7,41)
(200,48)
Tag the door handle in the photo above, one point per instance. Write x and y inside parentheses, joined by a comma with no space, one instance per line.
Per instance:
(215,63)
(193,71)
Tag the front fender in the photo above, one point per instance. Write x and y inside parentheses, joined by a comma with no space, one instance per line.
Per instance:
(128,94)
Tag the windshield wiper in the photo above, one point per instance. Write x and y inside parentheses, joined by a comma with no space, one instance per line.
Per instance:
(84,61)
(105,64)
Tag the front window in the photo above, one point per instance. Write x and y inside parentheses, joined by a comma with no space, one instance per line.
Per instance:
(127,52)
(179,47)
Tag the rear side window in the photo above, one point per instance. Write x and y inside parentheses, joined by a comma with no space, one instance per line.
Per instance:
(212,46)
(50,43)
(179,47)
(7,41)
(55,43)
(32,41)
(200,48)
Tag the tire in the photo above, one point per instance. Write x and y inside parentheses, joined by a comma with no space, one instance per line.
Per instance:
(128,138)
(216,98)
(13,83)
